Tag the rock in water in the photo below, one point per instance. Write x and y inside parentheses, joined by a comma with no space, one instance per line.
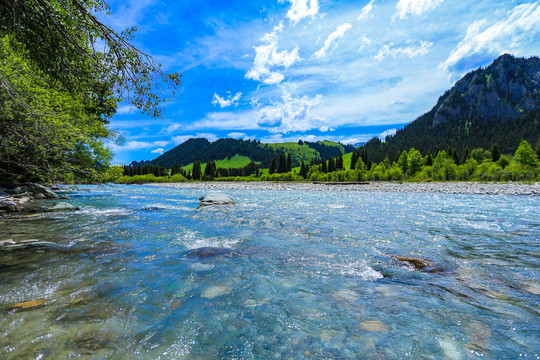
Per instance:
(215,291)
(420,264)
(209,251)
(374,325)
(40,189)
(27,305)
(216,199)
(59,206)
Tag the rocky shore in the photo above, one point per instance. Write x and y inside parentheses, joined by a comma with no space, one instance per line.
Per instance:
(407,187)
(16,198)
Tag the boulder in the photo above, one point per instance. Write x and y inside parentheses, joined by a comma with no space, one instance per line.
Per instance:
(216,199)
(50,207)
(420,264)
(41,191)
(10,206)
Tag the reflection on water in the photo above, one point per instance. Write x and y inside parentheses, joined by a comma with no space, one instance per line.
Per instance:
(297,274)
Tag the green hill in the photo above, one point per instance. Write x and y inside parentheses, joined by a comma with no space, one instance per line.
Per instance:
(234,153)
(499,104)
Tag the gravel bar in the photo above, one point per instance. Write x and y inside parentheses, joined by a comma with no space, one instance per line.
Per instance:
(406,187)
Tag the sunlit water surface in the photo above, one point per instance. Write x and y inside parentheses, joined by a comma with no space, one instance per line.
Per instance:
(309,276)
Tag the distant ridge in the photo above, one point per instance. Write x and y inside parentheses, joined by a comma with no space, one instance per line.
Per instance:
(199,149)
(499,104)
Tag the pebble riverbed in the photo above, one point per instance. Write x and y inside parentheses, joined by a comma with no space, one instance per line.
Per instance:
(475,188)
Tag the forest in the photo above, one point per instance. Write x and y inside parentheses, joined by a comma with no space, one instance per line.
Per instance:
(444,165)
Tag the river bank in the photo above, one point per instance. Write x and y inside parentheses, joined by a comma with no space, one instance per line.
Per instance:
(409,187)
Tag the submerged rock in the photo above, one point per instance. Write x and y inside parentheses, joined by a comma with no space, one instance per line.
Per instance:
(25,244)
(206,252)
(216,199)
(28,305)
(374,325)
(215,291)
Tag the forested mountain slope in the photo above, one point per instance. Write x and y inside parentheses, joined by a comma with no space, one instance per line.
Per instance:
(499,104)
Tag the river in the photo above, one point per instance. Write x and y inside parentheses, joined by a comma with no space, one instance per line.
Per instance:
(299,274)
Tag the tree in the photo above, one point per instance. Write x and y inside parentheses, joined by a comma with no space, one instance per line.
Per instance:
(289,163)
(303,170)
(196,171)
(57,90)
(272,168)
(526,155)
(495,153)
(414,162)
(324,169)
(282,166)
(61,39)
(403,161)
(537,148)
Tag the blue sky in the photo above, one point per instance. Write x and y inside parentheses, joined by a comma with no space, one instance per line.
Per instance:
(283,70)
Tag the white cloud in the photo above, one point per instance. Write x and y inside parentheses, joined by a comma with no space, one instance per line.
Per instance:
(410,51)
(366,11)
(364,42)
(414,7)
(137,145)
(389,132)
(226,102)
(290,114)
(350,139)
(267,56)
(519,30)
(338,33)
(237,135)
(171,128)
(301,9)
(158,151)
(177,140)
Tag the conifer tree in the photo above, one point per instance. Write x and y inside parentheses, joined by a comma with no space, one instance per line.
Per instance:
(323,166)
(331,165)
(282,166)
(289,163)
(303,170)
(339,162)
(495,153)
(272,168)
(196,171)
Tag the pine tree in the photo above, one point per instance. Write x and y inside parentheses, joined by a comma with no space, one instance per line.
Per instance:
(282,166)
(196,171)
(331,165)
(429,160)
(339,162)
(467,155)
(323,166)
(289,163)
(303,170)
(495,153)
(354,159)
(272,168)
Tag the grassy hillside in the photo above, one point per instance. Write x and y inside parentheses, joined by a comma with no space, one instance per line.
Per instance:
(236,161)
(298,152)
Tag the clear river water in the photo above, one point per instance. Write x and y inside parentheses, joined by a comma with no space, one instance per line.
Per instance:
(299,275)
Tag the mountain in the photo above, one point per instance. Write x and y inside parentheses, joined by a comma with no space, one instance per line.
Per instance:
(499,104)
(198,149)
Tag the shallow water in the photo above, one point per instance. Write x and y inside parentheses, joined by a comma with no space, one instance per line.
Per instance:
(308,275)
